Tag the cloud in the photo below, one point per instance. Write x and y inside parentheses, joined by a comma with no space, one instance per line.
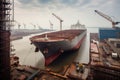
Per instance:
(44,1)
(69,10)
(57,4)
(68,2)
(25,1)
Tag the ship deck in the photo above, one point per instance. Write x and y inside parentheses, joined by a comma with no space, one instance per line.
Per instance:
(57,36)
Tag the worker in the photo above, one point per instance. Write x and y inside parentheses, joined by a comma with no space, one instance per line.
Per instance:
(81,67)
(77,66)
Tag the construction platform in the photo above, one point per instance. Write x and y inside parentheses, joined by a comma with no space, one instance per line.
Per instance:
(74,71)
(103,64)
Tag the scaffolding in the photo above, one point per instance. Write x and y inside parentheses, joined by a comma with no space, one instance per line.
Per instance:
(6,18)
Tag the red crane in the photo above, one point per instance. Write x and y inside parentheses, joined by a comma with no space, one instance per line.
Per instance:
(59,20)
(108,18)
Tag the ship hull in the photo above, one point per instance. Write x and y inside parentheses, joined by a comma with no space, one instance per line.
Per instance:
(51,50)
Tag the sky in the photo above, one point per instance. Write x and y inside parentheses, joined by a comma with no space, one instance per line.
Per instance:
(39,12)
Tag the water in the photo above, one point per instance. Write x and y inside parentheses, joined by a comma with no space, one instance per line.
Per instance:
(25,51)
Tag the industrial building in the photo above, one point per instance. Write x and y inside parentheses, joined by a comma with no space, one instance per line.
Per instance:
(105,33)
(5,25)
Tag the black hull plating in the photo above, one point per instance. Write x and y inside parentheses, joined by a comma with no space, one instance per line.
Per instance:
(50,48)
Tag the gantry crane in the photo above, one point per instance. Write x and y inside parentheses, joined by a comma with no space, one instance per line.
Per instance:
(34,25)
(24,25)
(51,25)
(108,18)
(19,25)
(39,27)
(59,20)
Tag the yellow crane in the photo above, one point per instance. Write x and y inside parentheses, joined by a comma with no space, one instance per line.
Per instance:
(59,20)
(108,18)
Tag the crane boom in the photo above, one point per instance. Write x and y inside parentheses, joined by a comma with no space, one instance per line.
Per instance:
(107,17)
(59,20)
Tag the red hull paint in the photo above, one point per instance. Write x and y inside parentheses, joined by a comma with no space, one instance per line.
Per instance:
(53,57)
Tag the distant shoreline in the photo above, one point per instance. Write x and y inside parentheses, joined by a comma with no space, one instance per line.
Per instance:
(12,38)
(19,34)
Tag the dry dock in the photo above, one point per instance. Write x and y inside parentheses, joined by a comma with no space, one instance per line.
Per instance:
(101,66)
(74,71)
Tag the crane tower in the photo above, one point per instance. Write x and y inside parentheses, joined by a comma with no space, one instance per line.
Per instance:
(51,25)
(59,20)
